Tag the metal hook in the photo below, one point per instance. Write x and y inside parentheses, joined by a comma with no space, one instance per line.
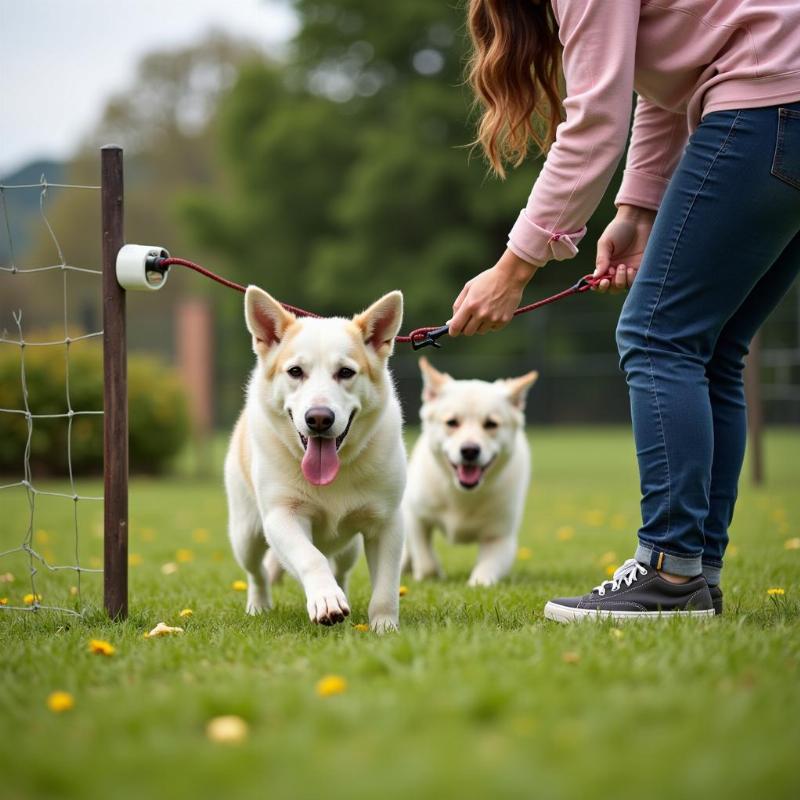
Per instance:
(430,338)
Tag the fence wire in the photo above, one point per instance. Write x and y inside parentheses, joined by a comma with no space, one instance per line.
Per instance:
(37,561)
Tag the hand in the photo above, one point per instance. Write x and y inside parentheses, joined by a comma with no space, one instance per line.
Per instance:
(620,248)
(489,300)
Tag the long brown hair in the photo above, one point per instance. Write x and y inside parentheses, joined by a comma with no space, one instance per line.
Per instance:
(514,71)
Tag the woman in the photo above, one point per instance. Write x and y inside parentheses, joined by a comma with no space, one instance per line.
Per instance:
(707,234)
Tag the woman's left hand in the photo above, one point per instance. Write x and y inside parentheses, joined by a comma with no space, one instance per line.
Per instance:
(489,300)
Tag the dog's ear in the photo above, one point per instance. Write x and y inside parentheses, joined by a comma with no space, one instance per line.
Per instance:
(517,388)
(432,380)
(266,319)
(380,323)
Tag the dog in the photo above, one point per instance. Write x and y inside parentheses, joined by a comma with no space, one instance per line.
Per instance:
(316,465)
(469,472)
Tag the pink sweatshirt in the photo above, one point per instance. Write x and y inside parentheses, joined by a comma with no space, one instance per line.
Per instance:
(684,59)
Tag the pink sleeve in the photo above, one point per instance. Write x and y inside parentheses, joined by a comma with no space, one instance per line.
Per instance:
(657,143)
(599,39)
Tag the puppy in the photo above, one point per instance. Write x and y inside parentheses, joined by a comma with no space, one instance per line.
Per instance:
(469,472)
(316,463)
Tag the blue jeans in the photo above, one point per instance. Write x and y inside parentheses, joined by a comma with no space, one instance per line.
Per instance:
(724,249)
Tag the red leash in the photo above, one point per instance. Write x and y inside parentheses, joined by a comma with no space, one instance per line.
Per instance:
(419,337)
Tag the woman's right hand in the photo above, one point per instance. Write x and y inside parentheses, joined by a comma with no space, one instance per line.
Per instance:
(621,247)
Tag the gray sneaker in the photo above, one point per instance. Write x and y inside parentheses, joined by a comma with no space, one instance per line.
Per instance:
(716,598)
(635,592)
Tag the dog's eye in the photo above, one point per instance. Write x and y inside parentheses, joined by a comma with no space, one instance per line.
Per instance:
(490,424)
(295,372)
(452,422)
(345,373)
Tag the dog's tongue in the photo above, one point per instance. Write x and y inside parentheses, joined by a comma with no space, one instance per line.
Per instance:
(469,474)
(321,461)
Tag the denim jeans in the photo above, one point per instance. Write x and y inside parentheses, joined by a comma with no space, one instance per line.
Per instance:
(724,249)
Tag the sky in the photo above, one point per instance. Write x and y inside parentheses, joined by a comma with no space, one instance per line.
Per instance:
(61,60)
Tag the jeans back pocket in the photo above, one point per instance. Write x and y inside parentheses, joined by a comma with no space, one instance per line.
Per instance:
(786,162)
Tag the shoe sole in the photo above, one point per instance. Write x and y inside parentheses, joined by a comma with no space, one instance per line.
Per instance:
(559,613)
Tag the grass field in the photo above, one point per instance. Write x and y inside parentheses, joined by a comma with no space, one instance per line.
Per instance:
(477,697)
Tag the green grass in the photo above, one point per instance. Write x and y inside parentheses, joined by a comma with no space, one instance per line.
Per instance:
(477,696)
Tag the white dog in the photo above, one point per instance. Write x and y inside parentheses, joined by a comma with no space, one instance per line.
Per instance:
(469,472)
(316,461)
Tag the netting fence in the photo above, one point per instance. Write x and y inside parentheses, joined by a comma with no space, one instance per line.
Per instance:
(26,546)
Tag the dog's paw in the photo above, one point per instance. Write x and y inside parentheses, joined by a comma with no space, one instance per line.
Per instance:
(482,579)
(384,623)
(327,607)
(258,601)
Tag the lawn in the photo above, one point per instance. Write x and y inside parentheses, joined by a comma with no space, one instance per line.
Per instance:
(477,697)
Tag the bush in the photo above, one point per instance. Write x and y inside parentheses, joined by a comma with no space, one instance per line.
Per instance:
(158,410)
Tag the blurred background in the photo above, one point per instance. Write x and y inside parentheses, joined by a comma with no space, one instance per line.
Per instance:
(316,148)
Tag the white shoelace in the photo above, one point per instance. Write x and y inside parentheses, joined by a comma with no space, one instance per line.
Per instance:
(627,574)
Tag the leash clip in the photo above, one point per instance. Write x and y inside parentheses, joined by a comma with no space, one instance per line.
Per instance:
(430,338)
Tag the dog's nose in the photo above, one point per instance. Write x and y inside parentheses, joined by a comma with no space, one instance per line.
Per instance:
(470,452)
(319,418)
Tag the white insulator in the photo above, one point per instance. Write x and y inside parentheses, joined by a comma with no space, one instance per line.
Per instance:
(137,268)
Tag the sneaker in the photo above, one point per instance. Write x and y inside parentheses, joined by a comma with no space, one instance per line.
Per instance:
(635,591)
(716,598)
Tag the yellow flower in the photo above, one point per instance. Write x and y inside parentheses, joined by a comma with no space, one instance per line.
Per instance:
(148,534)
(331,685)
(595,517)
(73,591)
(403,591)
(101,648)
(608,558)
(95,562)
(616,633)
(239,586)
(170,568)
(30,599)
(565,532)
(162,629)
(618,522)
(776,591)
(41,537)
(524,554)
(732,551)
(200,535)
(187,612)
(60,701)
(218,556)
(184,555)
(227,730)
(134,560)
(792,544)
(610,570)
(3,601)
(361,627)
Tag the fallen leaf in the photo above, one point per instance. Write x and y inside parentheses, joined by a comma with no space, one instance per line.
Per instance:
(162,629)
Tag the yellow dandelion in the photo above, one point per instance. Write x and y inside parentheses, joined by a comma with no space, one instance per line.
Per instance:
(162,629)
(610,570)
(776,591)
(135,560)
(186,612)
(570,657)
(41,537)
(608,558)
(218,556)
(73,591)
(184,555)
(31,599)
(403,591)
(58,702)
(524,554)
(331,685)
(170,568)
(616,633)
(49,556)
(565,533)
(229,729)
(239,586)
(200,535)
(3,601)
(595,517)
(95,562)
(362,627)
(792,544)
(101,647)
(732,551)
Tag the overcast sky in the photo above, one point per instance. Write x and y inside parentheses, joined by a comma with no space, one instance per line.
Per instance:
(60,60)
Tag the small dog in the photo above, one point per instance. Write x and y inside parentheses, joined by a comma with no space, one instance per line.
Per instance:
(469,472)
(316,463)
